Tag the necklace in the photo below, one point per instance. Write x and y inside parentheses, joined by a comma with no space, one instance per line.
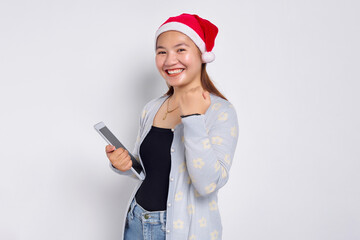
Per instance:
(167,110)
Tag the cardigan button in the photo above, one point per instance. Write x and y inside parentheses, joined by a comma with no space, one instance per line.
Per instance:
(168,231)
(169,204)
(172,150)
(172,179)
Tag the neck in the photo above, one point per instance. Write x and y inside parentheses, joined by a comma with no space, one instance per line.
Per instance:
(180,91)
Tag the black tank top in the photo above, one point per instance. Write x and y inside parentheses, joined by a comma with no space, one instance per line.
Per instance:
(156,157)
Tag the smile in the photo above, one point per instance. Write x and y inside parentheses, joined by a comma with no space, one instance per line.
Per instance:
(174,71)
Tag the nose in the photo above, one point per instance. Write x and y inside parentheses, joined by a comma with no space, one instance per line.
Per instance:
(171,59)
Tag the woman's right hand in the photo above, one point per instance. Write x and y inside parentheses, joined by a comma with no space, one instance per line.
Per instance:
(119,158)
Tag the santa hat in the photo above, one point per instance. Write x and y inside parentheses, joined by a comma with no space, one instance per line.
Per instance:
(201,31)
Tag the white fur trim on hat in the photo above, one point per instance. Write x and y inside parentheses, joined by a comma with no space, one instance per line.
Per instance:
(180,27)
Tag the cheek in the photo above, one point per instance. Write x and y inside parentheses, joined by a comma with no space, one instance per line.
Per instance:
(187,58)
(159,63)
(192,59)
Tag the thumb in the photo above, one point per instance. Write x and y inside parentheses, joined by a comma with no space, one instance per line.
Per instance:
(206,95)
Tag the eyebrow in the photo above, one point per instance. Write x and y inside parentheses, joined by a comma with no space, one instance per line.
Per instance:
(177,45)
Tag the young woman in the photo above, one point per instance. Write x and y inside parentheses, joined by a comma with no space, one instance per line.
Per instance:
(186,141)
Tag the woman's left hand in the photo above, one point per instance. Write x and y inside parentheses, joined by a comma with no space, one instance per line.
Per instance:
(196,100)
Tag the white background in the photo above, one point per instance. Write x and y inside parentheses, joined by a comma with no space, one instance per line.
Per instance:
(291,68)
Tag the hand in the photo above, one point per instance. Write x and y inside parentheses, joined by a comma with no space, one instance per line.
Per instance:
(196,100)
(119,158)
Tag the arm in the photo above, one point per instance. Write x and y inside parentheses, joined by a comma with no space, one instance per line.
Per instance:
(209,154)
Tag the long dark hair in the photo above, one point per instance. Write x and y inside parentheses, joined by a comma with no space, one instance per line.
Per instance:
(206,84)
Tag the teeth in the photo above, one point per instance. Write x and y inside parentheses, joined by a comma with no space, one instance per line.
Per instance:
(175,71)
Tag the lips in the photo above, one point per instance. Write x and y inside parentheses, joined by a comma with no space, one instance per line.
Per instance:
(174,72)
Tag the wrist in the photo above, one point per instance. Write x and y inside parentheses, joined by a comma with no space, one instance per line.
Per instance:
(188,115)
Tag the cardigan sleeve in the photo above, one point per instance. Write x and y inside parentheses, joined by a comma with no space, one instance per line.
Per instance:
(209,153)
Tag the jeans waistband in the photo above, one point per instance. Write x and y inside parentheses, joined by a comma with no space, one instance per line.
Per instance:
(136,210)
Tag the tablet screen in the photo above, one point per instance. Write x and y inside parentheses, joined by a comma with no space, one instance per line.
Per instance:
(115,142)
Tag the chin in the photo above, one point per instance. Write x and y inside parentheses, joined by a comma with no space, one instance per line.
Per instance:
(175,83)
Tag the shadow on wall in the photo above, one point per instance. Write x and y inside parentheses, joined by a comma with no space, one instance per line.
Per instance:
(149,85)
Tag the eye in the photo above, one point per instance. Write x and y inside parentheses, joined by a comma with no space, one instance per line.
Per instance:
(181,50)
(161,52)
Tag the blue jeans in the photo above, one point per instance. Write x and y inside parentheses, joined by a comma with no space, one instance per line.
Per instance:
(144,225)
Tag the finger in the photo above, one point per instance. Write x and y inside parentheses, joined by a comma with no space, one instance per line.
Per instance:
(124,154)
(205,94)
(119,151)
(208,99)
(125,160)
(128,165)
(124,163)
(112,159)
(109,148)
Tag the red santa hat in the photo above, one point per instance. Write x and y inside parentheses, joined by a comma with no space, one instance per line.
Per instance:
(201,31)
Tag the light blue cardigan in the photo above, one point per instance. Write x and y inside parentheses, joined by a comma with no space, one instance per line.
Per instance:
(201,156)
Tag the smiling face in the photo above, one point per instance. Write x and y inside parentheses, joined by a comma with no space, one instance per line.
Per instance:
(178,59)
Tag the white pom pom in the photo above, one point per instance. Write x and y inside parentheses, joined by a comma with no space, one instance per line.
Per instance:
(208,57)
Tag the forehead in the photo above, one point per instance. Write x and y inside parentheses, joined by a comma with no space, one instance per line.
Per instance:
(171,38)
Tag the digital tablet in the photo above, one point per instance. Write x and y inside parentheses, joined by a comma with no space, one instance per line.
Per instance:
(110,138)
